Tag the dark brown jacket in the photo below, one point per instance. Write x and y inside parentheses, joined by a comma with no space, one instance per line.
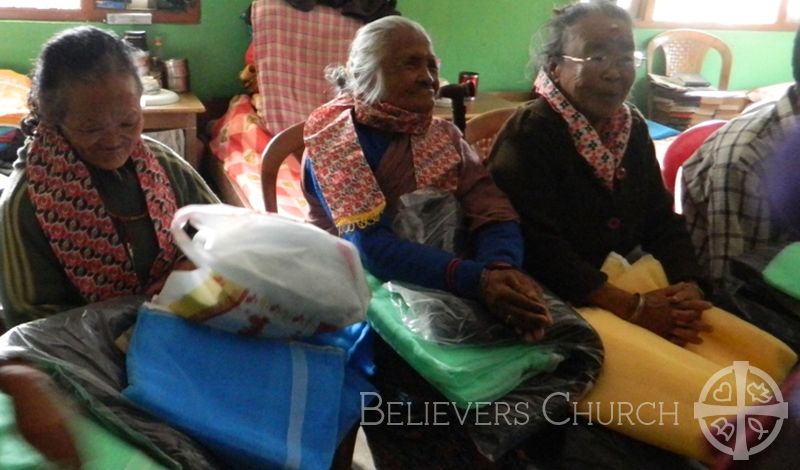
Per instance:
(570,220)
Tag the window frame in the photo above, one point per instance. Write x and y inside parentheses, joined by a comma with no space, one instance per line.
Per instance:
(642,13)
(89,12)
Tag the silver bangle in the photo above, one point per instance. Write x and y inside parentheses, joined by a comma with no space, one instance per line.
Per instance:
(640,304)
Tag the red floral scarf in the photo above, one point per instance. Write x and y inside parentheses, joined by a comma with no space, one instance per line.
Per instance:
(602,152)
(345,178)
(81,232)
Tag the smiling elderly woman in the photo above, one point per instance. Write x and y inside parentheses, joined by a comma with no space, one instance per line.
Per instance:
(368,149)
(579,166)
(378,141)
(86,216)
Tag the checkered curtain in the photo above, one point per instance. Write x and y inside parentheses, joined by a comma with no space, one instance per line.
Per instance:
(292,49)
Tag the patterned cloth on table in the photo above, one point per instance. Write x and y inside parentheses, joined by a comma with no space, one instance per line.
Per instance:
(238,141)
(292,49)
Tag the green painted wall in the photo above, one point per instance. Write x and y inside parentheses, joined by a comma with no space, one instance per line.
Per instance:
(491,37)
(469,37)
(215,47)
(759,58)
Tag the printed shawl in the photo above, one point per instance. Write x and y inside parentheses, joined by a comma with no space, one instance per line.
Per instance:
(79,228)
(344,176)
(602,152)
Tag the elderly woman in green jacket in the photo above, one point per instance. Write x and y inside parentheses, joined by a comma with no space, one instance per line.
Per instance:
(86,215)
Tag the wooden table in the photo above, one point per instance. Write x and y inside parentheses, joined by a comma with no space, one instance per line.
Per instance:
(482,103)
(180,115)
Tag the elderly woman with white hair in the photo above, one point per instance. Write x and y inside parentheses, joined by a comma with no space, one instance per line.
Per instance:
(377,142)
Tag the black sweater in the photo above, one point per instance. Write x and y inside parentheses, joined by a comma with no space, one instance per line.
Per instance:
(570,220)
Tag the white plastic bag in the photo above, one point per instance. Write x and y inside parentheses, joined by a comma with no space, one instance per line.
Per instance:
(263,274)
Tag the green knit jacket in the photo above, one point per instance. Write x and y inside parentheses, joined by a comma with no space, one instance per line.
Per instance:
(33,283)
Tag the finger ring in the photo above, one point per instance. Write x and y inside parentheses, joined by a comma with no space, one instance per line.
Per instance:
(508,318)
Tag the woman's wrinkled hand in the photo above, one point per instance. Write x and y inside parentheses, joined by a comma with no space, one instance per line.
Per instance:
(674,313)
(686,296)
(517,300)
(41,413)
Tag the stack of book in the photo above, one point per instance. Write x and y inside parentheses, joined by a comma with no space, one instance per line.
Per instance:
(685,100)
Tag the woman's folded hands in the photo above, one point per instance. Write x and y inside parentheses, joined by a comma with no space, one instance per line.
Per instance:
(675,313)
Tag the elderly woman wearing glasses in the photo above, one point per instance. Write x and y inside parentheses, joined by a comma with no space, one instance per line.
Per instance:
(580,168)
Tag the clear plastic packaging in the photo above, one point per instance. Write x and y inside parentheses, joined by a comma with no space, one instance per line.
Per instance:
(430,217)
(77,348)
(444,318)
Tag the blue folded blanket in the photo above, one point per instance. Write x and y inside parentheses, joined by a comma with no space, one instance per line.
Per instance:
(255,403)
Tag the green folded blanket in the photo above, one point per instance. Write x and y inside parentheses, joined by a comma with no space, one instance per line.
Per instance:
(467,375)
(783,272)
(100,450)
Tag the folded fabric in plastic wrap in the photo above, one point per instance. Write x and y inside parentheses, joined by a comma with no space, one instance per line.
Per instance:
(444,318)
(492,377)
(100,449)
(76,348)
(263,274)
(783,272)
(465,373)
(746,293)
(256,403)
(459,348)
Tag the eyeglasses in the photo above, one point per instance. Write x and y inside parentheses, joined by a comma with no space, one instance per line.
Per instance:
(603,62)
